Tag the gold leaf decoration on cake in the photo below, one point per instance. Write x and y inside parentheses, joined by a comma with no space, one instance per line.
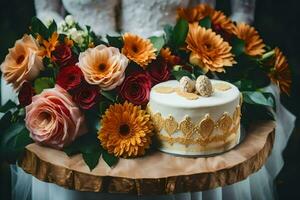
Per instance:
(205,127)
(187,126)
(170,125)
(164,90)
(158,121)
(236,114)
(200,134)
(225,123)
(241,99)
(221,86)
(187,95)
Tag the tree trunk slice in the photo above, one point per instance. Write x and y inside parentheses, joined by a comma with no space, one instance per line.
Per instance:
(157,173)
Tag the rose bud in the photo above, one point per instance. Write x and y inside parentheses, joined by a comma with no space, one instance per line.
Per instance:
(136,88)
(63,55)
(159,71)
(25,94)
(69,77)
(86,96)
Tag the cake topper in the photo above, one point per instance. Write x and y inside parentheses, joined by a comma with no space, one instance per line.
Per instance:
(204,86)
(186,84)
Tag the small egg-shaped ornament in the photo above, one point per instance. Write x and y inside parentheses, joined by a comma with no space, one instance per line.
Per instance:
(204,86)
(186,84)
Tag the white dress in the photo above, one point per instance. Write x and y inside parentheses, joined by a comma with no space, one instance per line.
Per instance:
(145,17)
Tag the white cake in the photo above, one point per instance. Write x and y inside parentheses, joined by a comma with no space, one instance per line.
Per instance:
(202,126)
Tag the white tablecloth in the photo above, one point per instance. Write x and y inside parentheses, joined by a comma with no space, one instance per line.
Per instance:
(258,186)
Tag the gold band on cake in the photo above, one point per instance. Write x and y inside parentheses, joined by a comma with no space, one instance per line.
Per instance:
(200,133)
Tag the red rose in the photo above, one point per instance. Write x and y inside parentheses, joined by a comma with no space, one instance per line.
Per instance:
(25,94)
(159,71)
(136,88)
(86,96)
(63,55)
(69,77)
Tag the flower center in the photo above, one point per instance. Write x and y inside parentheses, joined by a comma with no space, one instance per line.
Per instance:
(102,67)
(135,49)
(124,129)
(208,46)
(20,59)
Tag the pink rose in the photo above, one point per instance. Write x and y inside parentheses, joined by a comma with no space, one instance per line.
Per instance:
(53,119)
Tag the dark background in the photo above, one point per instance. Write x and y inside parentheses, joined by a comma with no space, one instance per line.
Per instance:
(277,22)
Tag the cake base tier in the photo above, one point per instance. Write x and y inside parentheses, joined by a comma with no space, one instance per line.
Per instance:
(156,173)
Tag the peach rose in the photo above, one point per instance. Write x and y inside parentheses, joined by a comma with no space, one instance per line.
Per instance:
(23,62)
(53,119)
(103,66)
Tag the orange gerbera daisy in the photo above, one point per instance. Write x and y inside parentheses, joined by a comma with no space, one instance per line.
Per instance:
(281,74)
(126,130)
(254,44)
(195,14)
(220,22)
(209,50)
(138,49)
(167,56)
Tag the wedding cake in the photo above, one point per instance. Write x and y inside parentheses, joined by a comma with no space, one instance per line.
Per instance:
(195,123)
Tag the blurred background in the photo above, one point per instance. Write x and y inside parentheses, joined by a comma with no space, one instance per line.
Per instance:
(277,22)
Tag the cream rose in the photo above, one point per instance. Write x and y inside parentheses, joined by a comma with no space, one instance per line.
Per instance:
(103,66)
(53,119)
(23,62)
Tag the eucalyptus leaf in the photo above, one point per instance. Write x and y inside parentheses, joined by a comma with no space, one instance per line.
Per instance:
(255,97)
(43,83)
(180,32)
(110,159)
(158,42)
(205,22)
(7,106)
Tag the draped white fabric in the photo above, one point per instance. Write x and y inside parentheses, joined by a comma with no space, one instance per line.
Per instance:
(257,186)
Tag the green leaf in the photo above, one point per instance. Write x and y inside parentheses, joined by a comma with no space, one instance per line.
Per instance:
(197,71)
(115,41)
(91,159)
(13,140)
(5,120)
(37,26)
(43,83)
(245,85)
(158,42)
(257,98)
(238,46)
(206,22)
(168,29)
(110,95)
(52,28)
(110,159)
(180,32)
(178,74)
(89,146)
(7,106)
(103,105)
